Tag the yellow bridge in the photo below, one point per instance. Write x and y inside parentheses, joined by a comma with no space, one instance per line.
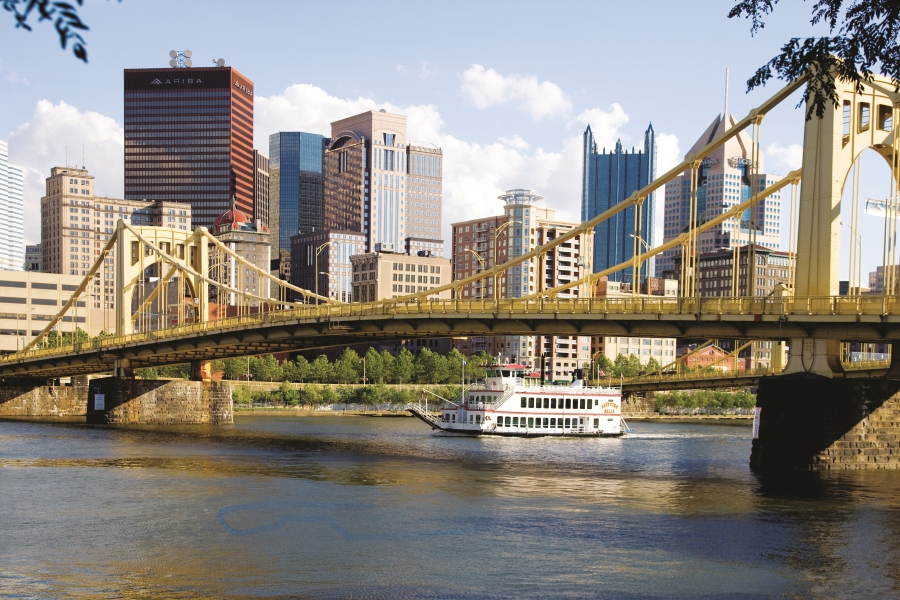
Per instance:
(154,264)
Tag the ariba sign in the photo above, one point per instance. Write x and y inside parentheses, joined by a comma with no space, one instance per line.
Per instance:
(243,87)
(158,81)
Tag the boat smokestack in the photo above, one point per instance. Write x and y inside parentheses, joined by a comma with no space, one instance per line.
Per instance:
(543,368)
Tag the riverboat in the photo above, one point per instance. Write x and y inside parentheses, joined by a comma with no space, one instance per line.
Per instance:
(513,401)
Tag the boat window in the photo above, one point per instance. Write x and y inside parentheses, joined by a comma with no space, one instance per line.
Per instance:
(553,423)
(531,421)
(454,418)
(568,403)
(506,373)
(546,402)
(471,418)
(582,403)
(524,402)
(546,422)
(609,419)
(568,423)
(596,423)
(531,403)
(596,402)
(552,402)
(508,421)
(478,418)
(515,421)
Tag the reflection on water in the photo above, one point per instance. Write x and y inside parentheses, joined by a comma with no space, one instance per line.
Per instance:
(361,507)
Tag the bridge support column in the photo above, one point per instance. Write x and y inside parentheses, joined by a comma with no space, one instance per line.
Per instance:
(814,356)
(201,370)
(807,422)
(124,368)
(137,401)
(39,399)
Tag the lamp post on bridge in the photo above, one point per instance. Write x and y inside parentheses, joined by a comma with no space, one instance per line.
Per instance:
(636,269)
(480,260)
(496,234)
(318,251)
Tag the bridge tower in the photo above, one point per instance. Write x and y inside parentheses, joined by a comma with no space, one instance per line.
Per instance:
(832,144)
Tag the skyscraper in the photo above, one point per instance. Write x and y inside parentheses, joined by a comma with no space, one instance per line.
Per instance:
(189,138)
(12,207)
(261,188)
(607,180)
(726,177)
(296,187)
(379,183)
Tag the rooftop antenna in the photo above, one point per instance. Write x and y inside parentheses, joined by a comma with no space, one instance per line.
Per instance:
(725,114)
(180,59)
(219,62)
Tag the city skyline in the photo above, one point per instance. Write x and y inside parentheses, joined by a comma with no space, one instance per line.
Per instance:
(501,122)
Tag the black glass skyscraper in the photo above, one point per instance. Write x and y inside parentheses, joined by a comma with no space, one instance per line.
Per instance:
(608,178)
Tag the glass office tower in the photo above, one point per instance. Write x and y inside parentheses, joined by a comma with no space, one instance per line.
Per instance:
(189,138)
(608,179)
(296,186)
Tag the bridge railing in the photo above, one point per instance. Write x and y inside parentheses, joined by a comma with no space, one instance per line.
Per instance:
(600,307)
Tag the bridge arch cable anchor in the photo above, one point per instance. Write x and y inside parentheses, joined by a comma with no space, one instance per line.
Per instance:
(74,298)
(262,272)
(654,185)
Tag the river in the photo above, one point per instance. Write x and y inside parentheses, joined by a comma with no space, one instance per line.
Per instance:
(338,507)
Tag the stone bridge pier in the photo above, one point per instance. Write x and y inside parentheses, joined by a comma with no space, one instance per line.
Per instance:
(812,422)
(125,400)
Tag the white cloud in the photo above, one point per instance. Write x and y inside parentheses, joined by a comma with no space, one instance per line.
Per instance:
(401,68)
(784,159)
(605,125)
(42,143)
(487,87)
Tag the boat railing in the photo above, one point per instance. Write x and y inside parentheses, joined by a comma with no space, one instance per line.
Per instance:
(499,401)
(421,411)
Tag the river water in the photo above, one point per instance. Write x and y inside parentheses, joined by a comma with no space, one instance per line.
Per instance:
(356,507)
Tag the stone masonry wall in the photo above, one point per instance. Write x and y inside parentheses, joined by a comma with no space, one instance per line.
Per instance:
(815,423)
(634,406)
(138,401)
(40,400)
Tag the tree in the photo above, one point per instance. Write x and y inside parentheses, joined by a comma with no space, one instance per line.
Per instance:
(388,362)
(288,394)
(606,366)
(295,370)
(265,368)
(320,370)
(454,363)
(345,367)
(652,366)
(234,369)
(430,367)
(404,367)
(863,38)
(63,15)
(374,371)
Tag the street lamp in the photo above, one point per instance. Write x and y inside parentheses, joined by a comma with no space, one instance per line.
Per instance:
(858,267)
(330,275)
(635,269)
(318,251)
(481,260)
(497,233)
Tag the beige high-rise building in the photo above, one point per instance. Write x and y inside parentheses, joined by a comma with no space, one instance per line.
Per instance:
(379,183)
(726,178)
(523,226)
(76,225)
(380,275)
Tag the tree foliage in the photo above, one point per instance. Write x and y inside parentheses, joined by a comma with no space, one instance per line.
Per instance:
(65,18)
(863,39)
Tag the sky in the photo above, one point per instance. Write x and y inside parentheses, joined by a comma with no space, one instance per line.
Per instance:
(506,89)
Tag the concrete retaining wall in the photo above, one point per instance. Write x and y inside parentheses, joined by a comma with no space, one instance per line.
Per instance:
(137,401)
(814,423)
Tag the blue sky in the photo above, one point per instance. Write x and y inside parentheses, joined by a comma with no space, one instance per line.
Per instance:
(504,87)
